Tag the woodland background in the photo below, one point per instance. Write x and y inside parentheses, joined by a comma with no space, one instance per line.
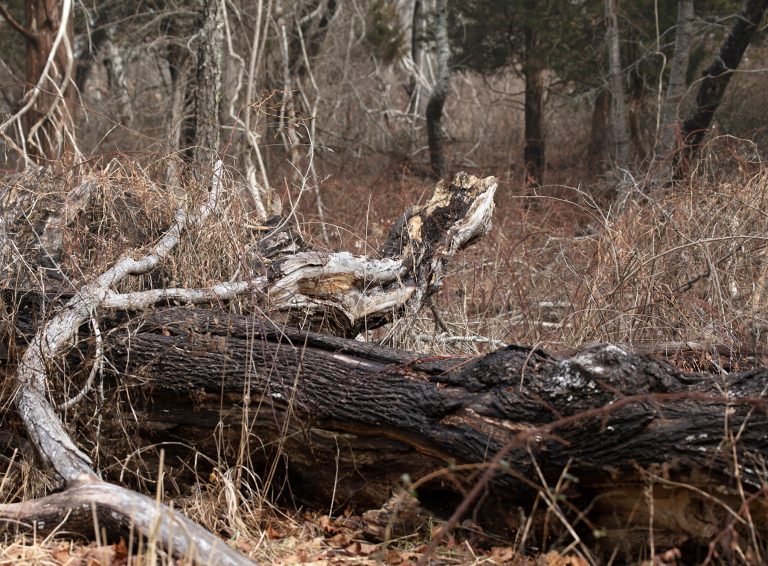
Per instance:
(632,190)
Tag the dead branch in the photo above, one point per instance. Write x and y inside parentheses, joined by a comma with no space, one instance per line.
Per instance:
(86,495)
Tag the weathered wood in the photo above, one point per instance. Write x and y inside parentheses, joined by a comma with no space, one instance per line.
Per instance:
(84,490)
(119,512)
(352,292)
(351,418)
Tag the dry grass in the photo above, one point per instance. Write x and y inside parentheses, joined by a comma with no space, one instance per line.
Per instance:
(563,267)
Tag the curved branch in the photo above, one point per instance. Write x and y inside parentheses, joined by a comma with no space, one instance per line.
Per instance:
(16,25)
(119,511)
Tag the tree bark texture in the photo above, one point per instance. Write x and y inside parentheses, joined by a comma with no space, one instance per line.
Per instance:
(719,73)
(208,84)
(669,128)
(436,136)
(417,54)
(534,156)
(597,150)
(49,116)
(639,442)
(616,80)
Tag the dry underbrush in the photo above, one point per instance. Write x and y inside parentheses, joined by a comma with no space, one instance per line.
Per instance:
(675,265)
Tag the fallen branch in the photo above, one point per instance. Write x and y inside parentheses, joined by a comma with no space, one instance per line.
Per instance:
(86,497)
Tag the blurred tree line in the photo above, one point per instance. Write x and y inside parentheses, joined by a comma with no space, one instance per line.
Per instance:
(428,83)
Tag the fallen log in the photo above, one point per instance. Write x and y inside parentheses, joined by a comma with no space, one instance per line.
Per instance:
(339,291)
(619,443)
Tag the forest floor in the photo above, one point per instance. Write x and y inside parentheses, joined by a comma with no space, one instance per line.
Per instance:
(564,266)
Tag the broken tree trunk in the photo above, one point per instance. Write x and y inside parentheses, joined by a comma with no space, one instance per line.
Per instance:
(618,443)
(365,292)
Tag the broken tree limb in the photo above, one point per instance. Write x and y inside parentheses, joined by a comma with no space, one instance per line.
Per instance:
(121,511)
(86,496)
(641,443)
(346,293)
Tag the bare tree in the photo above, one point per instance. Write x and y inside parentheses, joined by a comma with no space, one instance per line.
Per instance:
(435,133)
(417,54)
(619,110)
(719,73)
(676,89)
(533,153)
(208,84)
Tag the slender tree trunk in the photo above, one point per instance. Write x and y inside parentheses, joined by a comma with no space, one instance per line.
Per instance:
(597,151)
(719,73)
(668,128)
(435,133)
(533,153)
(619,109)
(637,118)
(417,54)
(49,122)
(113,61)
(208,84)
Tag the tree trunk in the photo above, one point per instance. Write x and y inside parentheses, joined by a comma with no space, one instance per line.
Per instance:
(208,85)
(668,128)
(533,153)
(417,54)
(640,442)
(362,292)
(436,136)
(49,121)
(597,150)
(719,73)
(616,80)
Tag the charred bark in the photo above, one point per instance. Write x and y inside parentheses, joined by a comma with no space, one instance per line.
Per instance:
(351,418)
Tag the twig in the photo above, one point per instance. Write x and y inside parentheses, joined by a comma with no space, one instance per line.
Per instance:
(98,366)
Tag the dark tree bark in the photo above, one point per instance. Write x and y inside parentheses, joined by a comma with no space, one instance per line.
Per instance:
(208,85)
(616,81)
(436,136)
(351,418)
(533,153)
(719,73)
(365,292)
(597,150)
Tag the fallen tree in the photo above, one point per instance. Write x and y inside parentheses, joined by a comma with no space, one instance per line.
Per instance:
(603,444)
(617,443)
(338,290)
